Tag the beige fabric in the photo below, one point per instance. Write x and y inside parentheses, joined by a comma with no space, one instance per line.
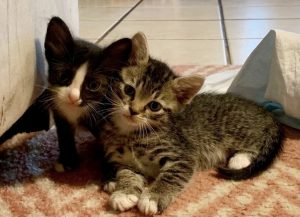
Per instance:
(284,78)
(272,74)
(22,72)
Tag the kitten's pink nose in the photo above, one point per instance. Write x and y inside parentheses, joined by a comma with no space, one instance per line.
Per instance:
(74,96)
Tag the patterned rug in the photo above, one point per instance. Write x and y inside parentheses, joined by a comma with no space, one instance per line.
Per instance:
(29,187)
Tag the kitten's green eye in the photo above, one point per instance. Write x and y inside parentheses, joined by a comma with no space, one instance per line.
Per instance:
(129,90)
(93,85)
(154,106)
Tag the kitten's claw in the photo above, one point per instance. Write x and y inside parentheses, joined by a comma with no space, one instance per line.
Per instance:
(147,205)
(59,167)
(109,187)
(121,201)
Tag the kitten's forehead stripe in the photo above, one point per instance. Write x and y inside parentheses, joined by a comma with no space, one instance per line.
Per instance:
(79,76)
(154,78)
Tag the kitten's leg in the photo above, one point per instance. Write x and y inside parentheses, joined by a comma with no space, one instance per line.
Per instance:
(108,175)
(171,180)
(68,155)
(128,187)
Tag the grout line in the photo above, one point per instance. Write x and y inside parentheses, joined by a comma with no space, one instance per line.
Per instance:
(203,20)
(162,20)
(224,33)
(262,19)
(117,23)
(263,6)
(184,39)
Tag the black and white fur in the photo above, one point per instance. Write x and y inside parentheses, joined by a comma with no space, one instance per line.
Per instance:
(79,76)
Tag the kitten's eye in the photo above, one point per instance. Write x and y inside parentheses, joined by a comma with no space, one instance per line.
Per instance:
(154,106)
(93,85)
(129,90)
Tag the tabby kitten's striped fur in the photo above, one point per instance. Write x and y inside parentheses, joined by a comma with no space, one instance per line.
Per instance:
(160,132)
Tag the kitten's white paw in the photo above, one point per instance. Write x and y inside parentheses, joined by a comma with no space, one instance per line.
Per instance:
(120,201)
(110,187)
(59,167)
(146,205)
(239,161)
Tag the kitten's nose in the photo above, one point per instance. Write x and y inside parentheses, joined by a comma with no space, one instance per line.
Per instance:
(74,96)
(132,112)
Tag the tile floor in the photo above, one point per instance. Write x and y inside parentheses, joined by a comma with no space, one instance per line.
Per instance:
(201,32)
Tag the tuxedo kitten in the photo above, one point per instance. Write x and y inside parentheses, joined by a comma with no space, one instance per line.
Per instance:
(79,77)
(160,132)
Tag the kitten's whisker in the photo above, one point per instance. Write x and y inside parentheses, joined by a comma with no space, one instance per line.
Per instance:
(100,103)
(146,134)
(89,105)
(91,110)
(48,88)
(153,130)
(109,109)
(47,101)
(109,114)
(115,95)
(110,99)
(89,115)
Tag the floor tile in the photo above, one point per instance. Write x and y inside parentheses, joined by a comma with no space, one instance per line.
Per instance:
(102,13)
(269,12)
(198,52)
(259,28)
(240,49)
(195,52)
(94,29)
(169,29)
(107,3)
(175,13)
(177,3)
(260,2)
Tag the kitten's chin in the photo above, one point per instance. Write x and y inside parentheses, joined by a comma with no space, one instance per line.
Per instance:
(73,105)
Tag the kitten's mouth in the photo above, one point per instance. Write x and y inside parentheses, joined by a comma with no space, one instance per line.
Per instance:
(74,103)
(130,119)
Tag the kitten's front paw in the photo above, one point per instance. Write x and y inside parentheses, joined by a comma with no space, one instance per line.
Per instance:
(151,203)
(121,201)
(147,205)
(69,163)
(109,187)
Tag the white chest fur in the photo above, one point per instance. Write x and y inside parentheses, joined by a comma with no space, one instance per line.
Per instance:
(122,150)
(65,98)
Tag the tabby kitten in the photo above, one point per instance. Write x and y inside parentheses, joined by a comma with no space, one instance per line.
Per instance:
(79,77)
(160,132)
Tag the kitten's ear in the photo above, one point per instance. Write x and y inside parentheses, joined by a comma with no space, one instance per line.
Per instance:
(119,51)
(187,87)
(59,41)
(140,51)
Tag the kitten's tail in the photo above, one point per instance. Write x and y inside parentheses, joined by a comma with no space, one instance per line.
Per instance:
(266,157)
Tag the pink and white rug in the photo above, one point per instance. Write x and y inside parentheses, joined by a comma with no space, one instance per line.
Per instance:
(29,187)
